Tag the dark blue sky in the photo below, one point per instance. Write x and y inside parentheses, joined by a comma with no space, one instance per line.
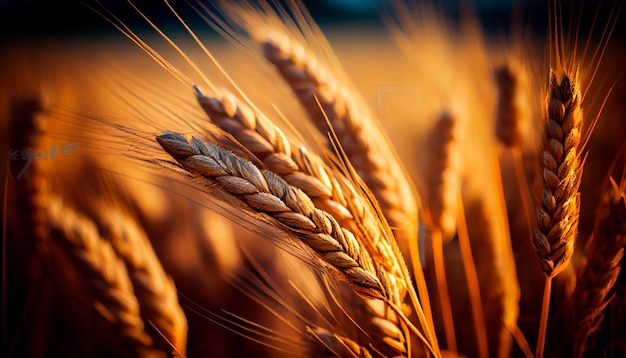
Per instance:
(71,17)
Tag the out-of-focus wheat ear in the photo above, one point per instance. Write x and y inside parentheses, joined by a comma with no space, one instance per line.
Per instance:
(559,200)
(441,188)
(327,344)
(516,146)
(601,266)
(512,118)
(441,176)
(512,106)
(111,291)
(26,127)
(155,290)
(24,195)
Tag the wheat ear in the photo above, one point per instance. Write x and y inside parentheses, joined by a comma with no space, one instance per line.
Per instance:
(511,105)
(442,185)
(155,290)
(557,216)
(512,115)
(22,120)
(265,192)
(112,291)
(558,212)
(26,128)
(441,173)
(603,258)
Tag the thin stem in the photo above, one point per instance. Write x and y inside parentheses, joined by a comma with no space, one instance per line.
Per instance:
(473,286)
(4,273)
(442,285)
(545,307)
(422,289)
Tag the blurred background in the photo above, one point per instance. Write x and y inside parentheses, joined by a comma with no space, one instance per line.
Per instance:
(68,17)
(35,31)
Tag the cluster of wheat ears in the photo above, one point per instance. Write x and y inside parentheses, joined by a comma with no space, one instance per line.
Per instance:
(254,205)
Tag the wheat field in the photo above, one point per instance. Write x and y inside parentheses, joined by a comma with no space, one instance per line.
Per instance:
(250,178)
